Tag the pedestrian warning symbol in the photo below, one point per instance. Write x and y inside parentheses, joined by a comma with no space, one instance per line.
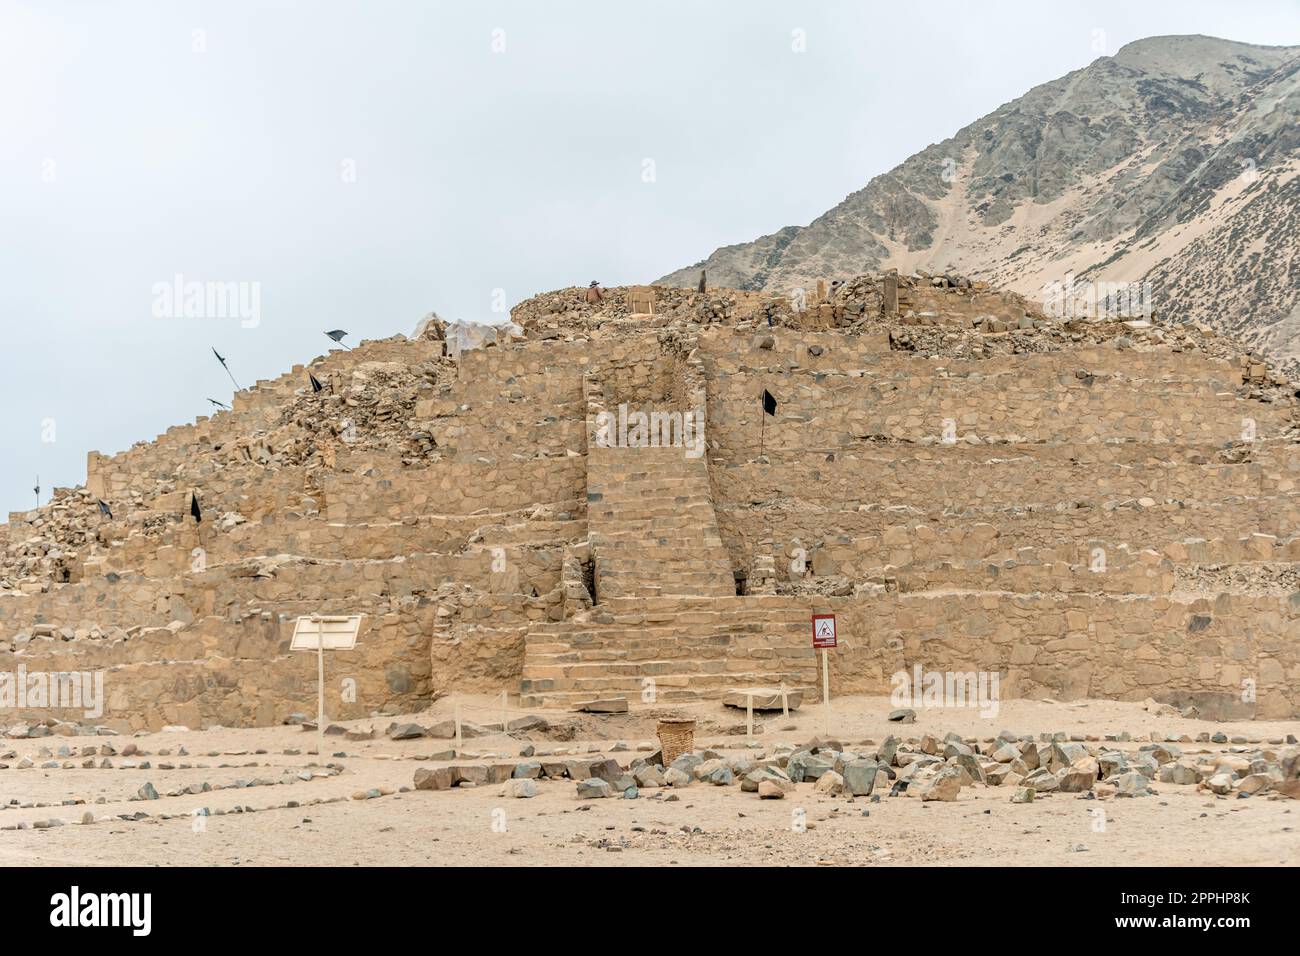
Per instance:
(823,630)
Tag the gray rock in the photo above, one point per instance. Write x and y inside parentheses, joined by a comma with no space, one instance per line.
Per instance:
(593,789)
(609,705)
(687,763)
(677,778)
(1145,764)
(1006,753)
(1042,780)
(435,778)
(720,776)
(1112,762)
(806,766)
(945,785)
(860,777)
(970,764)
(1132,784)
(1178,772)
(577,769)
(649,778)
(522,788)
(830,783)
(1074,780)
(1220,783)
(753,781)
(1064,754)
(606,769)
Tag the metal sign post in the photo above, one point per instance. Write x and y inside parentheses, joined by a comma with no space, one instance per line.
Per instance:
(318,632)
(320,699)
(824,638)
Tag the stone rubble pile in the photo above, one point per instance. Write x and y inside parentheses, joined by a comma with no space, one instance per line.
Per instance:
(372,408)
(930,768)
(53,727)
(934,316)
(47,548)
(567,310)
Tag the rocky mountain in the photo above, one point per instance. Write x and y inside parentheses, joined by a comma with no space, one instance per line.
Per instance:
(1174,163)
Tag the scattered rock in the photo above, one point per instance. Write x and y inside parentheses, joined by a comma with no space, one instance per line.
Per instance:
(522,788)
(593,789)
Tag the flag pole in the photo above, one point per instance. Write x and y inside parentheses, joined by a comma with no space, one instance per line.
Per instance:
(227,368)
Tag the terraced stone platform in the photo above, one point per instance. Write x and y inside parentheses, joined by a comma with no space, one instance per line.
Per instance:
(1084,517)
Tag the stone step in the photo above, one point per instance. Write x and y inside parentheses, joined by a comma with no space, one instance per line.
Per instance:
(694,621)
(669,689)
(622,516)
(625,537)
(654,548)
(625,495)
(564,663)
(662,505)
(666,570)
(741,645)
(675,524)
(666,590)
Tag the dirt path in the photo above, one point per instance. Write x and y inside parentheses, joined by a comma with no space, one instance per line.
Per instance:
(705,825)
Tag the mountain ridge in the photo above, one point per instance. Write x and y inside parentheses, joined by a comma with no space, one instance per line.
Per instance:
(1144,166)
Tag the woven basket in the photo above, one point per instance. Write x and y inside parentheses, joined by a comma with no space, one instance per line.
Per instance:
(676,737)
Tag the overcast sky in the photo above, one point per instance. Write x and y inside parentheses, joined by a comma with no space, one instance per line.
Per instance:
(357,164)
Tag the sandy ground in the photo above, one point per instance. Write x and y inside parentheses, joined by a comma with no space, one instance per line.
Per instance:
(705,826)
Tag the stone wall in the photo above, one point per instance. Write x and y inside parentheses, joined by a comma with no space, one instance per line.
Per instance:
(1195,652)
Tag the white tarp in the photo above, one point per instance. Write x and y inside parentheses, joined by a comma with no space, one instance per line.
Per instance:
(464,336)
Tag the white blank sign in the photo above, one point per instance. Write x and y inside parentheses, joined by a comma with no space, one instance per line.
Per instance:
(335,633)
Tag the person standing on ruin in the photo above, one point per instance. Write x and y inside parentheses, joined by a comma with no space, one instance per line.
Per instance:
(595,293)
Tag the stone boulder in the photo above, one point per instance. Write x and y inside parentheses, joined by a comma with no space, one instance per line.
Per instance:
(945,785)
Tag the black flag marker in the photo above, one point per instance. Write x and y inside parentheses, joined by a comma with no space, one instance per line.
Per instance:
(219,404)
(194,508)
(769,408)
(104,509)
(316,386)
(337,336)
(37,489)
(226,367)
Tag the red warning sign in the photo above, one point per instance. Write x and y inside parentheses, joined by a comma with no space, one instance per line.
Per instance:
(823,630)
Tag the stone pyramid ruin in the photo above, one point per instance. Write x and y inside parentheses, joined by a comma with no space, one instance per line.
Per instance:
(602,509)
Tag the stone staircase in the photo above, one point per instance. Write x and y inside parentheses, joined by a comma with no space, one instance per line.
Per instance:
(667,625)
(652,527)
(665,650)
